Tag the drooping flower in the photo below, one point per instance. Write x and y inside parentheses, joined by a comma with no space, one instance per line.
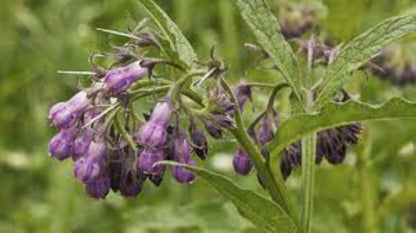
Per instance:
(182,153)
(61,145)
(98,188)
(147,160)
(131,186)
(199,142)
(64,114)
(241,162)
(243,93)
(154,132)
(93,163)
(216,124)
(82,142)
(332,143)
(121,78)
(291,159)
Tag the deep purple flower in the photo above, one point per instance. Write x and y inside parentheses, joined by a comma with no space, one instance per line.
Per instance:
(199,142)
(332,143)
(92,164)
(291,159)
(182,175)
(64,114)
(121,78)
(243,93)
(157,179)
(216,124)
(98,188)
(61,145)
(131,186)
(148,157)
(154,132)
(242,162)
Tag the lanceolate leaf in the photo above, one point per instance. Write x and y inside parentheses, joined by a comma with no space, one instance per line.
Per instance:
(266,29)
(362,49)
(335,114)
(262,212)
(177,41)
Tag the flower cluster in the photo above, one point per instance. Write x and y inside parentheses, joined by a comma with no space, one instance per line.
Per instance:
(389,66)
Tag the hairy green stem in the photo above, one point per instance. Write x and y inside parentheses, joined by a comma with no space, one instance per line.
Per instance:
(308,180)
(275,185)
(369,217)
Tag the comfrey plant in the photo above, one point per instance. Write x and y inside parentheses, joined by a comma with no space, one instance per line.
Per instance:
(118,143)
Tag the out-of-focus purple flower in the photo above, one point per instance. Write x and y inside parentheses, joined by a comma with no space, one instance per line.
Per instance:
(199,142)
(148,157)
(243,93)
(81,142)
(92,164)
(154,132)
(182,175)
(242,162)
(131,186)
(156,179)
(64,114)
(121,78)
(332,143)
(217,124)
(265,134)
(98,188)
(291,159)
(62,144)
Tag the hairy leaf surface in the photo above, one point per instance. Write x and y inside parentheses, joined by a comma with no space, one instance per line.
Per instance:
(262,212)
(361,50)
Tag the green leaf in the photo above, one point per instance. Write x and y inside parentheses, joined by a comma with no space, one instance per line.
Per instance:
(177,41)
(362,49)
(262,212)
(337,114)
(266,29)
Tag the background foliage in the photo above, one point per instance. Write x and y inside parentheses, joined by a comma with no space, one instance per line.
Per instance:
(38,194)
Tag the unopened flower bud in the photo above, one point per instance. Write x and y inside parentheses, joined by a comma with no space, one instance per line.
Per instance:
(291,159)
(63,115)
(154,132)
(81,142)
(243,93)
(121,78)
(98,188)
(265,134)
(199,142)
(147,161)
(131,187)
(61,145)
(92,164)
(242,162)
(156,179)
(182,175)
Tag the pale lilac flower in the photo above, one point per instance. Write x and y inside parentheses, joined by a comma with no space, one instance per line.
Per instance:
(121,78)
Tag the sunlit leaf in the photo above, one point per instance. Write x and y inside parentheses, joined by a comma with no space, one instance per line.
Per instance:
(262,212)
(266,29)
(177,41)
(336,114)
(362,49)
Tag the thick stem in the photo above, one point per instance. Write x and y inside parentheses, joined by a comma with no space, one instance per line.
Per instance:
(369,220)
(308,180)
(275,185)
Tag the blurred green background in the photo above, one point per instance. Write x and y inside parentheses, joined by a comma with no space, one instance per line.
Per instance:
(38,194)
